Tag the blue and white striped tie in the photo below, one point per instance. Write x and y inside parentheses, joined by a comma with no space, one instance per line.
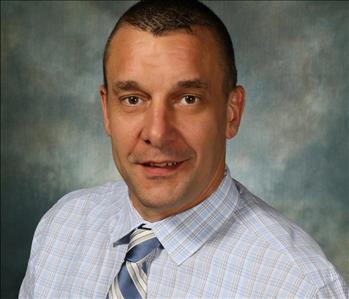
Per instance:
(131,282)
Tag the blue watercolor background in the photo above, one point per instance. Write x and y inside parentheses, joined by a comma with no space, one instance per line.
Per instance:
(292,149)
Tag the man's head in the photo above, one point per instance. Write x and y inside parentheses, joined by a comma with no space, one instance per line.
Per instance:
(166,108)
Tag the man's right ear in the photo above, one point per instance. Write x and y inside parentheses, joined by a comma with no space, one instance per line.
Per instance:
(104,103)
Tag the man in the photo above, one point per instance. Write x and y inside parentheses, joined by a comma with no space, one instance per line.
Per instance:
(178,226)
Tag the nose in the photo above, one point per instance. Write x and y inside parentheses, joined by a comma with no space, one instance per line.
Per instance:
(158,129)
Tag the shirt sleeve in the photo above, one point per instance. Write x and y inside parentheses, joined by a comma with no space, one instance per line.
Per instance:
(28,284)
(335,289)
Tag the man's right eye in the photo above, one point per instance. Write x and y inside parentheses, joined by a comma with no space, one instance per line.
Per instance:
(131,101)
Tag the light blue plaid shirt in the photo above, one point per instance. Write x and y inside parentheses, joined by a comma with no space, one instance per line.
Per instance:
(232,245)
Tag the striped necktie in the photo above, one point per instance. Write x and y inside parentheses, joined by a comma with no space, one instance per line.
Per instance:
(131,282)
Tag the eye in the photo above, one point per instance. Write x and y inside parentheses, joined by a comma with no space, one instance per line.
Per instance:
(189,100)
(131,101)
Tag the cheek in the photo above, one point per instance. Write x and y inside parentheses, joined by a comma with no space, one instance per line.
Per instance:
(124,135)
(206,136)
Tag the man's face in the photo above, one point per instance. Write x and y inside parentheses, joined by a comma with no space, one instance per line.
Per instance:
(168,117)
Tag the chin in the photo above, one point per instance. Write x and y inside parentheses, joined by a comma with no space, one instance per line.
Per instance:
(159,198)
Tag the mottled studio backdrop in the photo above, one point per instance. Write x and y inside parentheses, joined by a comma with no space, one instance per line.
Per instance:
(292,149)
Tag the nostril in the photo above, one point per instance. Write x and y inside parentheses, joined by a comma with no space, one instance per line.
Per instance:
(147,141)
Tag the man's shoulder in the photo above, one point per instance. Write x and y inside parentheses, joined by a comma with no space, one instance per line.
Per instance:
(76,229)
(270,224)
(281,237)
(85,208)
(95,198)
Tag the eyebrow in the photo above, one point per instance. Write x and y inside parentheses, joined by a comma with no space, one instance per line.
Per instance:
(125,86)
(129,85)
(195,83)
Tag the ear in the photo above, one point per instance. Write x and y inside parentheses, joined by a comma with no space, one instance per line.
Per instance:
(235,108)
(104,103)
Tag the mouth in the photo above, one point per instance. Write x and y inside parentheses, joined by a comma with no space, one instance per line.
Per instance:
(161,164)
(160,169)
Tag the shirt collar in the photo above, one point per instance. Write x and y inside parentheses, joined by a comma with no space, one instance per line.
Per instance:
(183,234)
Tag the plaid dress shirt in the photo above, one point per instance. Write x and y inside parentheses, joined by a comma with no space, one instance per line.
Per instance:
(232,245)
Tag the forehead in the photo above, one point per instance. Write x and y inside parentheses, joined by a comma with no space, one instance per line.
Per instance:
(131,49)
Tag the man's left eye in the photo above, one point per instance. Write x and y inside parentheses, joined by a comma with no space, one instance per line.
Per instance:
(189,100)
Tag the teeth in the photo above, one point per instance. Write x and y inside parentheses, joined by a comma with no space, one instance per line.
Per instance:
(164,164)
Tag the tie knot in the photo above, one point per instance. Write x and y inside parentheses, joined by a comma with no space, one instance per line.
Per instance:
(142,243)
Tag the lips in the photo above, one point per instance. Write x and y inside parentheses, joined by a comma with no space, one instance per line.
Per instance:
(158,169)
(161,164)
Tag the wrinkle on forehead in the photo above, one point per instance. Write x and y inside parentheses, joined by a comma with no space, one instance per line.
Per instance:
(128,37)
(174,56)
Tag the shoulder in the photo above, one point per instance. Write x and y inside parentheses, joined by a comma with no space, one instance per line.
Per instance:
(78,226)
(270,225)
(277,234)
(81,211)
(90,201)
(86,200)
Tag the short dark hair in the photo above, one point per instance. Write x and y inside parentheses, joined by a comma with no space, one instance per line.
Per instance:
(160,16)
